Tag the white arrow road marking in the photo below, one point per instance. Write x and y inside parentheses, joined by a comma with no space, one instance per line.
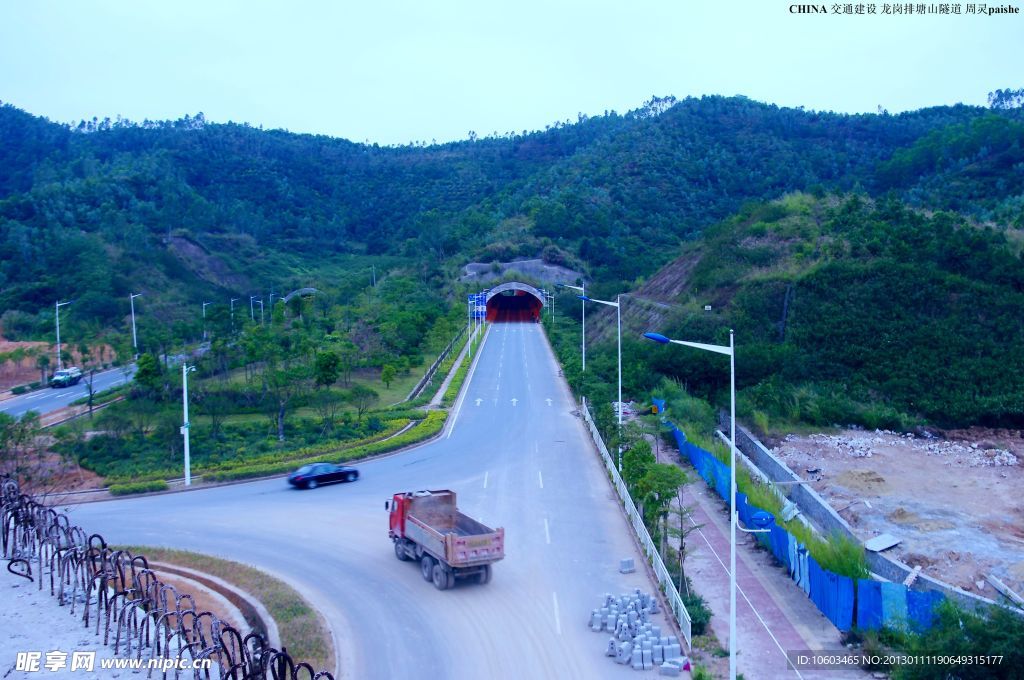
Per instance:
(478,400)
(514,401)
(540,479)
(549,401)
(486,474)
(547,531)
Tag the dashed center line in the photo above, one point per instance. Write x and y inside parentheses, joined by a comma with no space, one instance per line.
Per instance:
(547,531)
(485,478)
(558,621)
(540,478)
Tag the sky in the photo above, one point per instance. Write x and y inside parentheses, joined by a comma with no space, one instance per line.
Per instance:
(400,71)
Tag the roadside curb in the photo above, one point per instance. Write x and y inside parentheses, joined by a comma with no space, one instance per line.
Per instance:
(251,608)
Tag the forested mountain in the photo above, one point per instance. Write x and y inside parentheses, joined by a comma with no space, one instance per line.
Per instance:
(191,209)
(845,309)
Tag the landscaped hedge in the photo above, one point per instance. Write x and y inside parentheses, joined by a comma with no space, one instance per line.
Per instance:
(137,487)
(425,429)
(289,456)
(460,376)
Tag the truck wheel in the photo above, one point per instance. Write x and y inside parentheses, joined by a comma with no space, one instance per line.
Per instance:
(427,567)
(400,551)
(440,577)
(451,579)
(484,577)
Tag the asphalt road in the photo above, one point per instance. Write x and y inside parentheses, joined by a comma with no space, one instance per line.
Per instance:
(51,398)
(518,457)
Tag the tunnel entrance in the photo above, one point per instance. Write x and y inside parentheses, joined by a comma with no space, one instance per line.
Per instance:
(514,303)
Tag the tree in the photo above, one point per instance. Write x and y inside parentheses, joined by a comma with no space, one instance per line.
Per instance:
(363,399)
(636,461)
(42,363)
(214,404)
(327,402)
(387,375)
(148,375)
(326,368)
(656,489)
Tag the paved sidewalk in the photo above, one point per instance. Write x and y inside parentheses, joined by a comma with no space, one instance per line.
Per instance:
(774,616)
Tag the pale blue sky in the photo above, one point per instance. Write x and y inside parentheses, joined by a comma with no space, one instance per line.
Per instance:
(399,71)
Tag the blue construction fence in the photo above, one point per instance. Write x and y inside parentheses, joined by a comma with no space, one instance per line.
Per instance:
(846,602)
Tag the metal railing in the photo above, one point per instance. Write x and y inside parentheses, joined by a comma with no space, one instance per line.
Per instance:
(122,597)
(668,586)
(425,380)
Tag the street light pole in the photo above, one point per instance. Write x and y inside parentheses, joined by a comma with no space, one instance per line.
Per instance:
(233,301)
(185,370)
(56,308)
(260,302)
(583,332)
(618,323)
(252,314)
(204,318)
(135,339)
(731,351)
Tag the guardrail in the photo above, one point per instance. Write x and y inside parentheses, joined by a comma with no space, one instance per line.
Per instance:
(668,586)
(433,367)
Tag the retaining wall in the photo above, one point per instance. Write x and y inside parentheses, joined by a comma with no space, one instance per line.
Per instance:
(817,509)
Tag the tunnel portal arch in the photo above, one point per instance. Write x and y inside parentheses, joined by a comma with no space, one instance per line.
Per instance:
(514,301)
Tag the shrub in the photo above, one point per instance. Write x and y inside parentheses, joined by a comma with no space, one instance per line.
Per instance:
(19,389)
(427,428)
(137,487)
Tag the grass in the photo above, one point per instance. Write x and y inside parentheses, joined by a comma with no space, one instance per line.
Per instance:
(303,631)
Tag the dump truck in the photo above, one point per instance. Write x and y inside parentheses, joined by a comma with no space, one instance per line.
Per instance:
(426,526)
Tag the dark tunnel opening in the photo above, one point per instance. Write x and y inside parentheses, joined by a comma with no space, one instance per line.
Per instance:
(513,306)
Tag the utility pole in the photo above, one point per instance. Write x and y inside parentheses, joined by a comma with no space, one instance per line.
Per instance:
(260,301)
(373,271)
(185,370)
(135,339)
(204,318)
(252,314)
(56,308)
(233,301)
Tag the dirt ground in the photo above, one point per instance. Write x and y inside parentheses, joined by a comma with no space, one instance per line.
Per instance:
(956,499)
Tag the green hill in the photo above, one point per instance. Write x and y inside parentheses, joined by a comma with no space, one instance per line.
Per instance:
(845,310)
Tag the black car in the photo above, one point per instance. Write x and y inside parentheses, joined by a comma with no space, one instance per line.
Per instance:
(312,476)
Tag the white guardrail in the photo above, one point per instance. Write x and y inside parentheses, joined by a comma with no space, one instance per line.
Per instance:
(668,587)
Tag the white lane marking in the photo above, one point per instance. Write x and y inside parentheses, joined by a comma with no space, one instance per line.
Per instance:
(549,401)
(514,401)
(547,531)
(540,478)
(751,604)
(485,478)
(478,400)
(465,387)
(558,621)
(36,396)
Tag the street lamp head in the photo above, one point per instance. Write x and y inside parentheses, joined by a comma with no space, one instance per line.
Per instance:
(657,337)
(584,298)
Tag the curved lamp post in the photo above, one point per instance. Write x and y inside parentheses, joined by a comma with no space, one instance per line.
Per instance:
(730,351)
(583,319)
(618,319)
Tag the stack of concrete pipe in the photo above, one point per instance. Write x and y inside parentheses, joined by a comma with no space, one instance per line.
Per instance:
(635,640)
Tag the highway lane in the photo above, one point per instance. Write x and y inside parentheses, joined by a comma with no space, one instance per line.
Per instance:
(51,398)
(518,457)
